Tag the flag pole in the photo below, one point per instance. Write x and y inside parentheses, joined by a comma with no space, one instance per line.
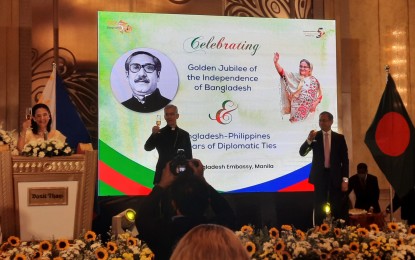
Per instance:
(387,69)
(56,31)
(391,208)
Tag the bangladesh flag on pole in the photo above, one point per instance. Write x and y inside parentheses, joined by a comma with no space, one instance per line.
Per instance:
(390,139)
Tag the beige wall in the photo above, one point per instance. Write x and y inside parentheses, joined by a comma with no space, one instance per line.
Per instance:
(78,21)
(367,32)
(15,60)
(365,36)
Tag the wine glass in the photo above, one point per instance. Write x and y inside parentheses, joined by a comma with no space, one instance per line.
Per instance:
(28,114)
(158,120)
(314,128)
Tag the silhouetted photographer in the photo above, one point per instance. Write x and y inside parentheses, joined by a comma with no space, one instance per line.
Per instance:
(179,202)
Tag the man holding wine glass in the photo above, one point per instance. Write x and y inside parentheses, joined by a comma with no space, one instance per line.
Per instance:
(158,120)
(167,140)
(329,171)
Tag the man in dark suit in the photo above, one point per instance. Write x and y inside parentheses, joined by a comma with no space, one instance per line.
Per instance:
(143,73)
(366,189)
(168,140)
(329,169)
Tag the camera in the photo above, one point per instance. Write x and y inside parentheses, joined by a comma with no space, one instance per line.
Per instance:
(180,163)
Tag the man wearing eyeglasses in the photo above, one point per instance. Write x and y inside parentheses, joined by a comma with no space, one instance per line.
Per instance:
(143,74)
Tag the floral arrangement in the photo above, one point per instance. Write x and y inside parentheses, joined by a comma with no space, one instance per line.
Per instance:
(330,241)
(7,138)
(88,246)
(46,148)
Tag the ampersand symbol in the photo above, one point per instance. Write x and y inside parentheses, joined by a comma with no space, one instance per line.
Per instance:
(223,116)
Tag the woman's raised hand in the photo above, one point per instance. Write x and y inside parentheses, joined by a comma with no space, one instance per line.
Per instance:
(27,124)
(276,57)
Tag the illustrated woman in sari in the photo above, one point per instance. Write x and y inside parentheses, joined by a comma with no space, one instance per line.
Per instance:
(300,92)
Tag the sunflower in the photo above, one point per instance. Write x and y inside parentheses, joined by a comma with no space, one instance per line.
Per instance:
(101,253)
(400,241)
(14,241)
(274,233)
(374,243)
(20,257)
(90,236)
(250,247)
(354,247)
(377,257)
(335,253)
(132,241)
(58,258)
(300,234)
(36,255)
(411,230)
(45,246)
(324,228)
(112,247)
(337,232)
(363,232)
(287,227)
(286,255)
(62,244)
(392,226)
(324,256)
(279,246)
(247,229)
(374,227)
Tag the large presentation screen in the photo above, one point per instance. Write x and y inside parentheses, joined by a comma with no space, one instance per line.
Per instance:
(248,90)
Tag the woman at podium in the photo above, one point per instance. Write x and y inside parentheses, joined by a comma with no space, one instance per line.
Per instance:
(37,127)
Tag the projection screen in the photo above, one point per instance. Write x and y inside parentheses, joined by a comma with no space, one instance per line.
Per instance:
(246,122)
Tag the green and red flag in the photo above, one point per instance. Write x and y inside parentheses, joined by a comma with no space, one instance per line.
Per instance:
(390,139)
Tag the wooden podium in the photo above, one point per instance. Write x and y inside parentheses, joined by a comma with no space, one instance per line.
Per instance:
(47,198)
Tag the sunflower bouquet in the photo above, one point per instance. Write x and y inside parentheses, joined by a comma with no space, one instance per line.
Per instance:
(87,246)
(330,241)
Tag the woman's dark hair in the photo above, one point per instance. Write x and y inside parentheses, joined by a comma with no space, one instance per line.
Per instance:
(35,127)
